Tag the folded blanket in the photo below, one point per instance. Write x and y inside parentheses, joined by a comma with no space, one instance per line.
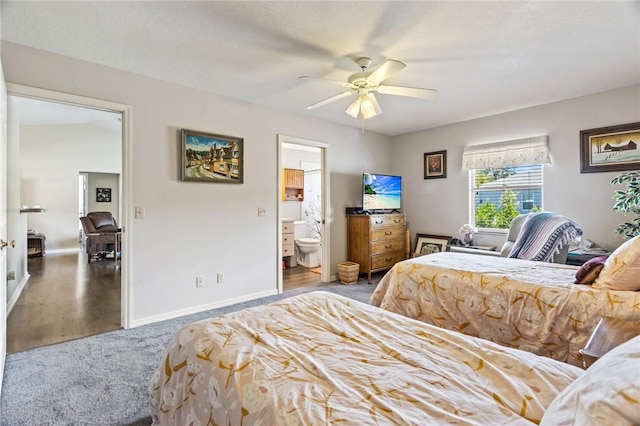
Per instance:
(542,235)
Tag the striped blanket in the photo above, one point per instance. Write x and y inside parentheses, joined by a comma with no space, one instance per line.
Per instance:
(542,235)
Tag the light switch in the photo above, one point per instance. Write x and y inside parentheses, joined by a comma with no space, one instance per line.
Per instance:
(262,211)
(139,212)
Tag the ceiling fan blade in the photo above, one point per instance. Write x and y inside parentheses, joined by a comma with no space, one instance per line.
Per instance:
(372,109)
(384,71)
(331,99)
(339,83)
(413,92)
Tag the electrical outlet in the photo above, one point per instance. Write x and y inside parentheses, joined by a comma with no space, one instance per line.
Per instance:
(262,211)
(199,282)
(11,276)
(220,277)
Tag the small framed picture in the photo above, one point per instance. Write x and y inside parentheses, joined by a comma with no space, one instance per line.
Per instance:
(435,164)
(610,149)
(427,244)
(207,157)
(103,195)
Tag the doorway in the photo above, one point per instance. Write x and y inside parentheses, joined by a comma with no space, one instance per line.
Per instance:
(305,214)
(88,134)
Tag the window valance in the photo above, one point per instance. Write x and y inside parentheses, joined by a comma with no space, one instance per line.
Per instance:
(511,153)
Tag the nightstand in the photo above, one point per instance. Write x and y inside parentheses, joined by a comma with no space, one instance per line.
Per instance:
(577,258)
(609,333)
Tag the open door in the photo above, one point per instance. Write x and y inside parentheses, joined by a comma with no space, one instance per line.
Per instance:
(4,246)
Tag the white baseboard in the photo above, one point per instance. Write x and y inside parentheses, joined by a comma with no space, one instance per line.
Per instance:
(200,308)
(66,250)
(16,294)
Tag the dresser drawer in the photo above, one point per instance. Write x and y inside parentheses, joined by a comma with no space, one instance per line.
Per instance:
(287,227)
(287,239)
(386,260)
(388,233)
(382,220)
(385,246)
(288,250)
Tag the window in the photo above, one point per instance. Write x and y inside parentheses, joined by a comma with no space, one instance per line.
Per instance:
(505,180)
(497,195)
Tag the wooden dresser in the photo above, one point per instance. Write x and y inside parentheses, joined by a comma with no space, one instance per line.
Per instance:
(377,241)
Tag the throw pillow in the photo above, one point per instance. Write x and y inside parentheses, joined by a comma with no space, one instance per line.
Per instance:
(590,270)
(621,270)
(606,394)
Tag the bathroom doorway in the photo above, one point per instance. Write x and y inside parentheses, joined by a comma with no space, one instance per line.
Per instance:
(302,216)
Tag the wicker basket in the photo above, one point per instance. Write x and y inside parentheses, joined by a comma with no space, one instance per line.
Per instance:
(348,272)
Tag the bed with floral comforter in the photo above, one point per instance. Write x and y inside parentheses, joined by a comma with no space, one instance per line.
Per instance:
(534,306)
(320,359)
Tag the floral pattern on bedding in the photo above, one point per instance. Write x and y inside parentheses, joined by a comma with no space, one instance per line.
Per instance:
(528,305)
(320,359)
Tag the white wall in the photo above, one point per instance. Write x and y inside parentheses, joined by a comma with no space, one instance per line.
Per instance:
(51,158)
(16,222)
(440,206)
(194,228)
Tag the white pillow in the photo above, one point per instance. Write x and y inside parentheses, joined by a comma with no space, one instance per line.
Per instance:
(608,393)
(621,270)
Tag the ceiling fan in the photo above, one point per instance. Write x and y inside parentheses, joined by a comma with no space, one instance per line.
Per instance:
(364,83)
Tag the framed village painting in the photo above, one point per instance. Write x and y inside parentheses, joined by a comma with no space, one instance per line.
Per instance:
(610,149)
(207,157)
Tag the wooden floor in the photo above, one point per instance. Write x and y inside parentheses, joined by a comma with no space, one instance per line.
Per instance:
(64,299)
(299,276)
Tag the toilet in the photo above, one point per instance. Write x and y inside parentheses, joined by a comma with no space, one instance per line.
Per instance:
(306,248)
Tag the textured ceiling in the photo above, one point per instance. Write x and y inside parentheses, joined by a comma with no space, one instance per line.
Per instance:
(483,57)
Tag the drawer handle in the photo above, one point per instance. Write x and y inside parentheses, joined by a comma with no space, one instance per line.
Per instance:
(389,246)
(388,233)
(388,259)
(378,222)
(397,220)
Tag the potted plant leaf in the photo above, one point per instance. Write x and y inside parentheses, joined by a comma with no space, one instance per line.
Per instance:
(628,202)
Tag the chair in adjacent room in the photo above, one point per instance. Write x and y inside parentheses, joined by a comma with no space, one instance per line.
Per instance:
(102,235)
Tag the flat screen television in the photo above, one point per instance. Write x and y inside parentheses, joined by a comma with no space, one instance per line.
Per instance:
(381,192)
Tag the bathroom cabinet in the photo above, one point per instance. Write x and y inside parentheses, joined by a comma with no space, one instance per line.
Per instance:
(288,248)
(377,241)
(292,185)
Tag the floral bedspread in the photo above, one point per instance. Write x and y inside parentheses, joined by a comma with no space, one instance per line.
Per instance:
(519,303)
(320,359)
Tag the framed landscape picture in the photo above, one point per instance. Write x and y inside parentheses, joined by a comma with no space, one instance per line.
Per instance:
(427,244)
(208,157)
(435,164)
(610,149)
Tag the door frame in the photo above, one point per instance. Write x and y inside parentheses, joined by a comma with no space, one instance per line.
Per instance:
(325,276)
(126,191)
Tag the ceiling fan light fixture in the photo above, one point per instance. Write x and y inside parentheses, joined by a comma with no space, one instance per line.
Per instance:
(373,107)
(365,103)
(368,113)
(354,108)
